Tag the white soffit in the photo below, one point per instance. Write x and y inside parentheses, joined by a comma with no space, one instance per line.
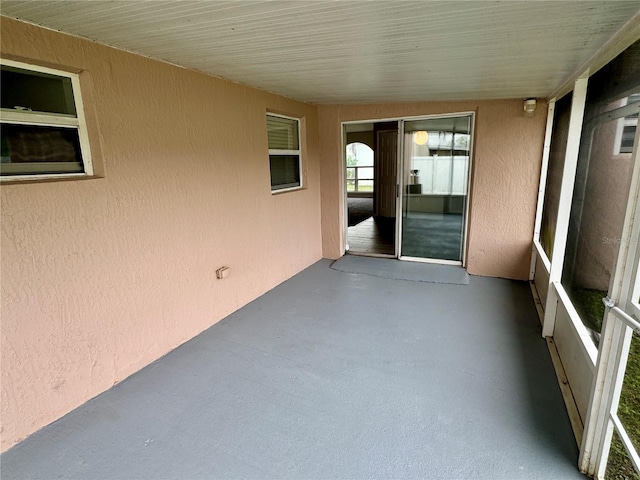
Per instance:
(354,51)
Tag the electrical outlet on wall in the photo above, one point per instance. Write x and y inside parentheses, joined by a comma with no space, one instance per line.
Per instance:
(222,272)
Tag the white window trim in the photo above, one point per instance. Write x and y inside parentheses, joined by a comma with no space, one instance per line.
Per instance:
(538,250)
(77,122)
(298,152)
(633,302)
(623,122)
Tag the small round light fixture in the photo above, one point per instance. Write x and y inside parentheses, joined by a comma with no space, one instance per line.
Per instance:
(421,137)
(529,107)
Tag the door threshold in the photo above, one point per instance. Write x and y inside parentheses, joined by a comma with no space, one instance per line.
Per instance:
(407,259)
(456,263)
(367,254)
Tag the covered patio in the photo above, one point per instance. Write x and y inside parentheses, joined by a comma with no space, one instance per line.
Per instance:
(174,187)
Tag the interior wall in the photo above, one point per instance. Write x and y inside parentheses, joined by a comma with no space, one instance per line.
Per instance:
(504,185)
(102,276)
(362,137)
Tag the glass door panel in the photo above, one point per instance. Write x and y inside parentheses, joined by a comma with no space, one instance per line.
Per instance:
(435,187)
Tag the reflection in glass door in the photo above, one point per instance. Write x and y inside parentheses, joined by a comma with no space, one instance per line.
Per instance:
(435,186)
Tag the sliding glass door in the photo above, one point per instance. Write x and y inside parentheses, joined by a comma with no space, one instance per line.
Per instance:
(434,187)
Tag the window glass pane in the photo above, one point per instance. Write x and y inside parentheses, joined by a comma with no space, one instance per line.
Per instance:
(351,172)
(365,185)
(365,173)
(39,92)
(33,150)
(557,151)
(351,185)
(628,135)
(601,188)
(285,171)
(282,133)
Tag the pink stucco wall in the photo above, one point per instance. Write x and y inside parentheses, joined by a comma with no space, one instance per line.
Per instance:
(102,276)
(504,184)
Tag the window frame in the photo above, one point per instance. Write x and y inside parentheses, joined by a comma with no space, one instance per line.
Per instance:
(45,119)
(278,151)
(633,302)
(623,123)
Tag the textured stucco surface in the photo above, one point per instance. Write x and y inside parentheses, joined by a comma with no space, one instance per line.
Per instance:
(505,177)
(102,276)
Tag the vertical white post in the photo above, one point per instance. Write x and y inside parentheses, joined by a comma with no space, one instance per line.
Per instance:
(564,205)
(542,185)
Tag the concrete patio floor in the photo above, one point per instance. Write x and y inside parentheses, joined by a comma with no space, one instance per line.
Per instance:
(332,375)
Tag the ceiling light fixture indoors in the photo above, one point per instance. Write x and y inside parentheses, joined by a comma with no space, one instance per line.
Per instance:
(421,137)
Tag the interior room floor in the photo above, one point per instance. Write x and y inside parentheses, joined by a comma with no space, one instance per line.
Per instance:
(332,375)
(432,235)
(373,235)
(359,209)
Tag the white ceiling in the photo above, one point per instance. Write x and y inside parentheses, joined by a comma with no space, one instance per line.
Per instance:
(352,50)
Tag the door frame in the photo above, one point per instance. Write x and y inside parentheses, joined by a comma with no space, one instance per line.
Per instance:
(400,185)
(345,201)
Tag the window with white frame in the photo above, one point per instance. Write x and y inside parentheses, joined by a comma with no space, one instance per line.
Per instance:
(626,131)
(43,130)
(360,168)
(635,296)
(284,152)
